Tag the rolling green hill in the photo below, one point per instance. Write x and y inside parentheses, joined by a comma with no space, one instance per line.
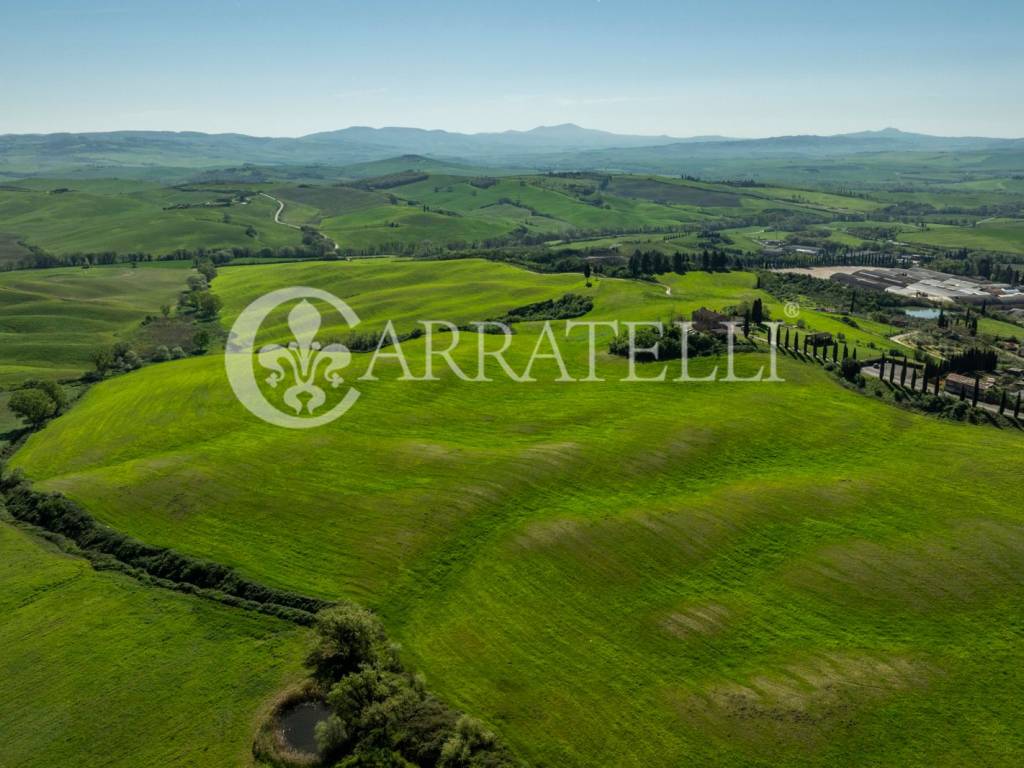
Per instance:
(415,205)
(125,217)
(629,574)
(53,320)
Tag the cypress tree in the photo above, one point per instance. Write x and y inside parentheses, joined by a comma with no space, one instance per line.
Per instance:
(835,351)
(977,384)
(1002,403)
(881,366)
(913,380)
(846,351)
(1016,409)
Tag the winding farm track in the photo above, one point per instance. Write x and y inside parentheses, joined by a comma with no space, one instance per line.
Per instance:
(280,210)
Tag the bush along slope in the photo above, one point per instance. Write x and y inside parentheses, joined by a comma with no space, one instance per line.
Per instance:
(383,715)
(569,306)
(107,548)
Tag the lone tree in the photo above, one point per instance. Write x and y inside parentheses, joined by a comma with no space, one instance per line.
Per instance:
(586,270)
(33,405)
(103,360)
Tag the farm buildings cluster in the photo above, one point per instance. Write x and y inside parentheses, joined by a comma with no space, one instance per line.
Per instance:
(920,283)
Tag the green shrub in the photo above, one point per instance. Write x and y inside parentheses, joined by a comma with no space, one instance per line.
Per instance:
(347,637)
(33,405)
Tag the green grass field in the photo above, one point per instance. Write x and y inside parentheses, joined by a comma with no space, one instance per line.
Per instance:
(1003,235)
(629,574)
(52,320)
(99,670)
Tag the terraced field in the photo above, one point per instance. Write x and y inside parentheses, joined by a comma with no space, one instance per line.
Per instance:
(612,573)
(99,670)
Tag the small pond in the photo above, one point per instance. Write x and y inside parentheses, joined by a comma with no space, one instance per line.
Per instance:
(299,722)
(923,313)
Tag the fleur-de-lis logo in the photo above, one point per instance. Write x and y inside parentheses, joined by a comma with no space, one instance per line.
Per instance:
(304,367)
(304,358)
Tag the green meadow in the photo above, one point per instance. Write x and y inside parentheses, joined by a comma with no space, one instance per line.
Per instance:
(99,670)
(69,216)
(1003,235)
(607,573)
(53,320)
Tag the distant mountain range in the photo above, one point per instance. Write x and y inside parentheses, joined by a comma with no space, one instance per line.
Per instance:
(549,147)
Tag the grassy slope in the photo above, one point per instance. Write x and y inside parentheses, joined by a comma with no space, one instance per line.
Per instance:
(637,575)
(125,216)
(52,320)
(101,671)
(1005,235)
(11,251)
(541,204)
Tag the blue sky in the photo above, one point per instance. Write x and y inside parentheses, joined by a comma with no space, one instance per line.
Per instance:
(682,68)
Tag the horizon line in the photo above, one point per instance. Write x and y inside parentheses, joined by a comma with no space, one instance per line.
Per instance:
(690,137)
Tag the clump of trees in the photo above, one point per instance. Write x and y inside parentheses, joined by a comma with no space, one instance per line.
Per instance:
(381,713)
(568,306)
(645,263)
(198,299)
(162,354)
(973,359)
(37,401)
(669,344)
(119,358)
